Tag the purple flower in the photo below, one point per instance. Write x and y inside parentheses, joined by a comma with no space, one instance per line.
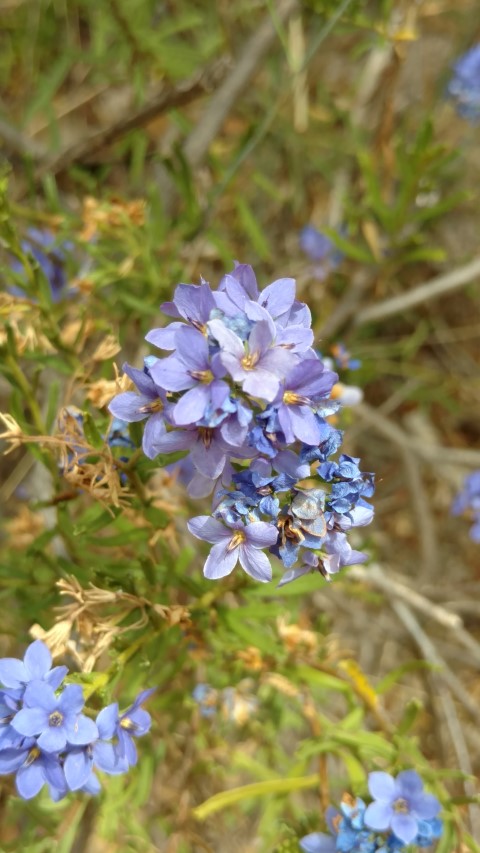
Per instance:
(193,303)
(399,804)
(464,86)
(260,364)
(321,250)
(304,384)
(192,370)
(208,450)
(148,404)
(239,542)
(36,666)
(56,721)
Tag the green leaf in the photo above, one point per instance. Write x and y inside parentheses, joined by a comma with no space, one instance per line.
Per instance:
(410,714)
(323,679)
(253,229)
(350,249)
(257,789)
(92,433)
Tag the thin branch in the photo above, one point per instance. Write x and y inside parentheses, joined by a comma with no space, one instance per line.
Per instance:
(423,293)
(429,652)
(428,452)
(391,585)
(164,99)
(18,143)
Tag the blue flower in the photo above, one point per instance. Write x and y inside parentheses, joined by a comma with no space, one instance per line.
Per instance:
(36,666)
(33,769)
(464,86)
(400,804)
(134,722)
(55,721)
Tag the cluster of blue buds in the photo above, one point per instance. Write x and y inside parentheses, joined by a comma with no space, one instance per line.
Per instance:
(249,399)
(401,814)
(45,739)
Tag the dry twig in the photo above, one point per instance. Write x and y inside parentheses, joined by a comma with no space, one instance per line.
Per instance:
(423,293)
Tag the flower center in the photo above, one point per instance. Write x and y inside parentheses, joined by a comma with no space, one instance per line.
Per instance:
(236,540)
(151,408)
(127,724)
(249,360)
(205,376)
(55,719)
(206,434)
(292,399)
(400,806)
(32,756)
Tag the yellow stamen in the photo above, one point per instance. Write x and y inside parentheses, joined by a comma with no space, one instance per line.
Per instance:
(151,408)
(205,376)
(236,540)
(249,361)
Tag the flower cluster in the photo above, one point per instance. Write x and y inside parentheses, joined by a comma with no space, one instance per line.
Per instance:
(468,500)
(401,814)
(46,739)
(246,395)
(464,86)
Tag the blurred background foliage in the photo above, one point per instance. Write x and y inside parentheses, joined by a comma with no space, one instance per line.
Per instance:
(159,141)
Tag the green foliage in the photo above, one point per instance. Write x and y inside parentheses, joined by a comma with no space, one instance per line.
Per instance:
(95,554)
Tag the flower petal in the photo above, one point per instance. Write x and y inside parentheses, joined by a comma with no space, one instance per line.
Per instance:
(404,826)
(37,660)
(56,676)
(128,406)
(164,338)
(191,407)
(11,760)
(260,534)
(30,721)
(71,701)
(255,563)
(318,842)
(77,767)
(220,562)
(39,694)
(30,780)
(53,739)
(378,815)
(209,529)
(107,721)
(13,672)
(381,786)
(153,433)
(82,732)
